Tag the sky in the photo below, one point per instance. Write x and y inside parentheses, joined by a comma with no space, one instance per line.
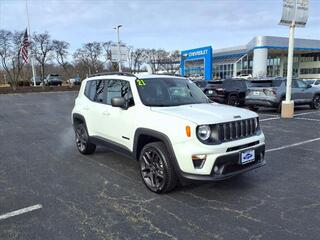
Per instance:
(174,24)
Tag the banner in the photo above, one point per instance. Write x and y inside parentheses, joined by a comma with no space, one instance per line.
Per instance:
(295,11)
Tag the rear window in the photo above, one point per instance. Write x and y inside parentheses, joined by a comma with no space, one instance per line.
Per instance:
(215,83)
(266,83)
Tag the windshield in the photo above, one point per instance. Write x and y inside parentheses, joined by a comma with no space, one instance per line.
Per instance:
(164,92)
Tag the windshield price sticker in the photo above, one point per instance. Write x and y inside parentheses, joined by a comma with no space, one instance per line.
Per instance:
(141,82)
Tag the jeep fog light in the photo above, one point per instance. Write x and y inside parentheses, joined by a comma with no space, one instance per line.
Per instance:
(199,160)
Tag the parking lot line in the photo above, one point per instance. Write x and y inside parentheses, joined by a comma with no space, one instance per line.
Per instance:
(295,115)
(268,114)
(268,119)
(293,145)
(308,119)
(20,211)
(305,113)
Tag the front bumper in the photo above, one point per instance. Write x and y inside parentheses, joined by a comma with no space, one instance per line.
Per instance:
(262,102)
(228,166)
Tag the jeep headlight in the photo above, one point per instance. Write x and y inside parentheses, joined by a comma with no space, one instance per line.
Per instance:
(204,132)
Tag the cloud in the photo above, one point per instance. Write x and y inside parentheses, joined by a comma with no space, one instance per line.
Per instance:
(155,24)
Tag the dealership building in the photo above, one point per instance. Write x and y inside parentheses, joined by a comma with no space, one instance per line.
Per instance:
(263,56)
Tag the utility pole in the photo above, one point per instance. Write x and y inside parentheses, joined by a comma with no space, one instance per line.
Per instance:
(119,52)
(30,55)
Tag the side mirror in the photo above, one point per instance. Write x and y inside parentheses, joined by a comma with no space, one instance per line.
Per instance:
(119,102)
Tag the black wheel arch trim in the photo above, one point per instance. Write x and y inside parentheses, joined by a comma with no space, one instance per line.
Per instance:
(162,137)
(78,116)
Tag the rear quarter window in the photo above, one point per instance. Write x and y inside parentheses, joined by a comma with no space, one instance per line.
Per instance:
(90,90)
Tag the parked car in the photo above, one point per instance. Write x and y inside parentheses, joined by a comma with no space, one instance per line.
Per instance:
(202,84)
(228,91)
(75,81)
(38,80)
(313,82)
(271,93)
(53,80)
(169,125)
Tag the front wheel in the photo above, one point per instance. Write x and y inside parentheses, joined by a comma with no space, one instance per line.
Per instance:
(82,140)
(315,102)
(233,100)
(156,169)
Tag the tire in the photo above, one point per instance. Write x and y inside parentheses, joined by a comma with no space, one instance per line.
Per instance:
(253,108)
(233,100)
(82,140)
(315,102)
(156,168)
(279,108)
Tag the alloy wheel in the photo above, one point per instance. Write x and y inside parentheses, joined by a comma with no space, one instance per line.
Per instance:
(81,139)
(316,102)
(152,169)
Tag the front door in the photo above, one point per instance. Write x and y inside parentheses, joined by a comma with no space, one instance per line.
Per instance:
(117,123)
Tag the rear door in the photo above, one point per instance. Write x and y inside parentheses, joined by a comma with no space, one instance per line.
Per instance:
(301,92)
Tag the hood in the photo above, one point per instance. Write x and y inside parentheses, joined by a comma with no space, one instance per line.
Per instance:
(206,113)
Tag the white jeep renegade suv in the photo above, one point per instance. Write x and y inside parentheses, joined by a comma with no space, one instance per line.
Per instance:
(169,125)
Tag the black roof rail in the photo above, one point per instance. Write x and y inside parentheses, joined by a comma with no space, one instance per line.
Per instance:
(113,73)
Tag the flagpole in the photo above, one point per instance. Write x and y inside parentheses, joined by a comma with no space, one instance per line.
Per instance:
(30,55)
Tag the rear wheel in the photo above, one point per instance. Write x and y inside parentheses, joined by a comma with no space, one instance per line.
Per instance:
(156,169)
(279,108)
(82,140)
(315,102)
(233,100)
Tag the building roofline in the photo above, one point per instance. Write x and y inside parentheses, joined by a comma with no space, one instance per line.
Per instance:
(270,42)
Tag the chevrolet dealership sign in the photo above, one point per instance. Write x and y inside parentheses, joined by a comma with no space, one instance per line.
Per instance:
(295,12)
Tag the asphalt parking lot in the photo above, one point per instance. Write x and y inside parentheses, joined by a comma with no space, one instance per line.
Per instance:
(101,196)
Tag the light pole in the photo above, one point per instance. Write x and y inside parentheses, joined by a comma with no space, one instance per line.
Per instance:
(294,14)
(119,53)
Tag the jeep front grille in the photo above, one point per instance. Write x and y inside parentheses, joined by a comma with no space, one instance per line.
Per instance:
(238,129)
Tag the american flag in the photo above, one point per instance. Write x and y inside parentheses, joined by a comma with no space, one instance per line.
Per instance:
(24,48)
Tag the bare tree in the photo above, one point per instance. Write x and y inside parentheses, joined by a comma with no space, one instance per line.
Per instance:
(137,59)
(42,50)
(10,46)
(60,49)
(107,49)
(89,55)
(174,61)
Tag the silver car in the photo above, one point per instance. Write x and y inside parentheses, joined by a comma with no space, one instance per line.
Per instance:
(270,93)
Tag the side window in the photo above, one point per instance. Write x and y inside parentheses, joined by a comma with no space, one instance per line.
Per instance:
(301,84)
(90,90)
(119,88)
(100,91)
(317,82)
(294,83)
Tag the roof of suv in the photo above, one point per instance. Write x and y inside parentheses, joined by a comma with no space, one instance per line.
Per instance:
(129,76)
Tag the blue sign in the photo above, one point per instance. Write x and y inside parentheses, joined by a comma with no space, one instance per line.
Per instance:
(197,61)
